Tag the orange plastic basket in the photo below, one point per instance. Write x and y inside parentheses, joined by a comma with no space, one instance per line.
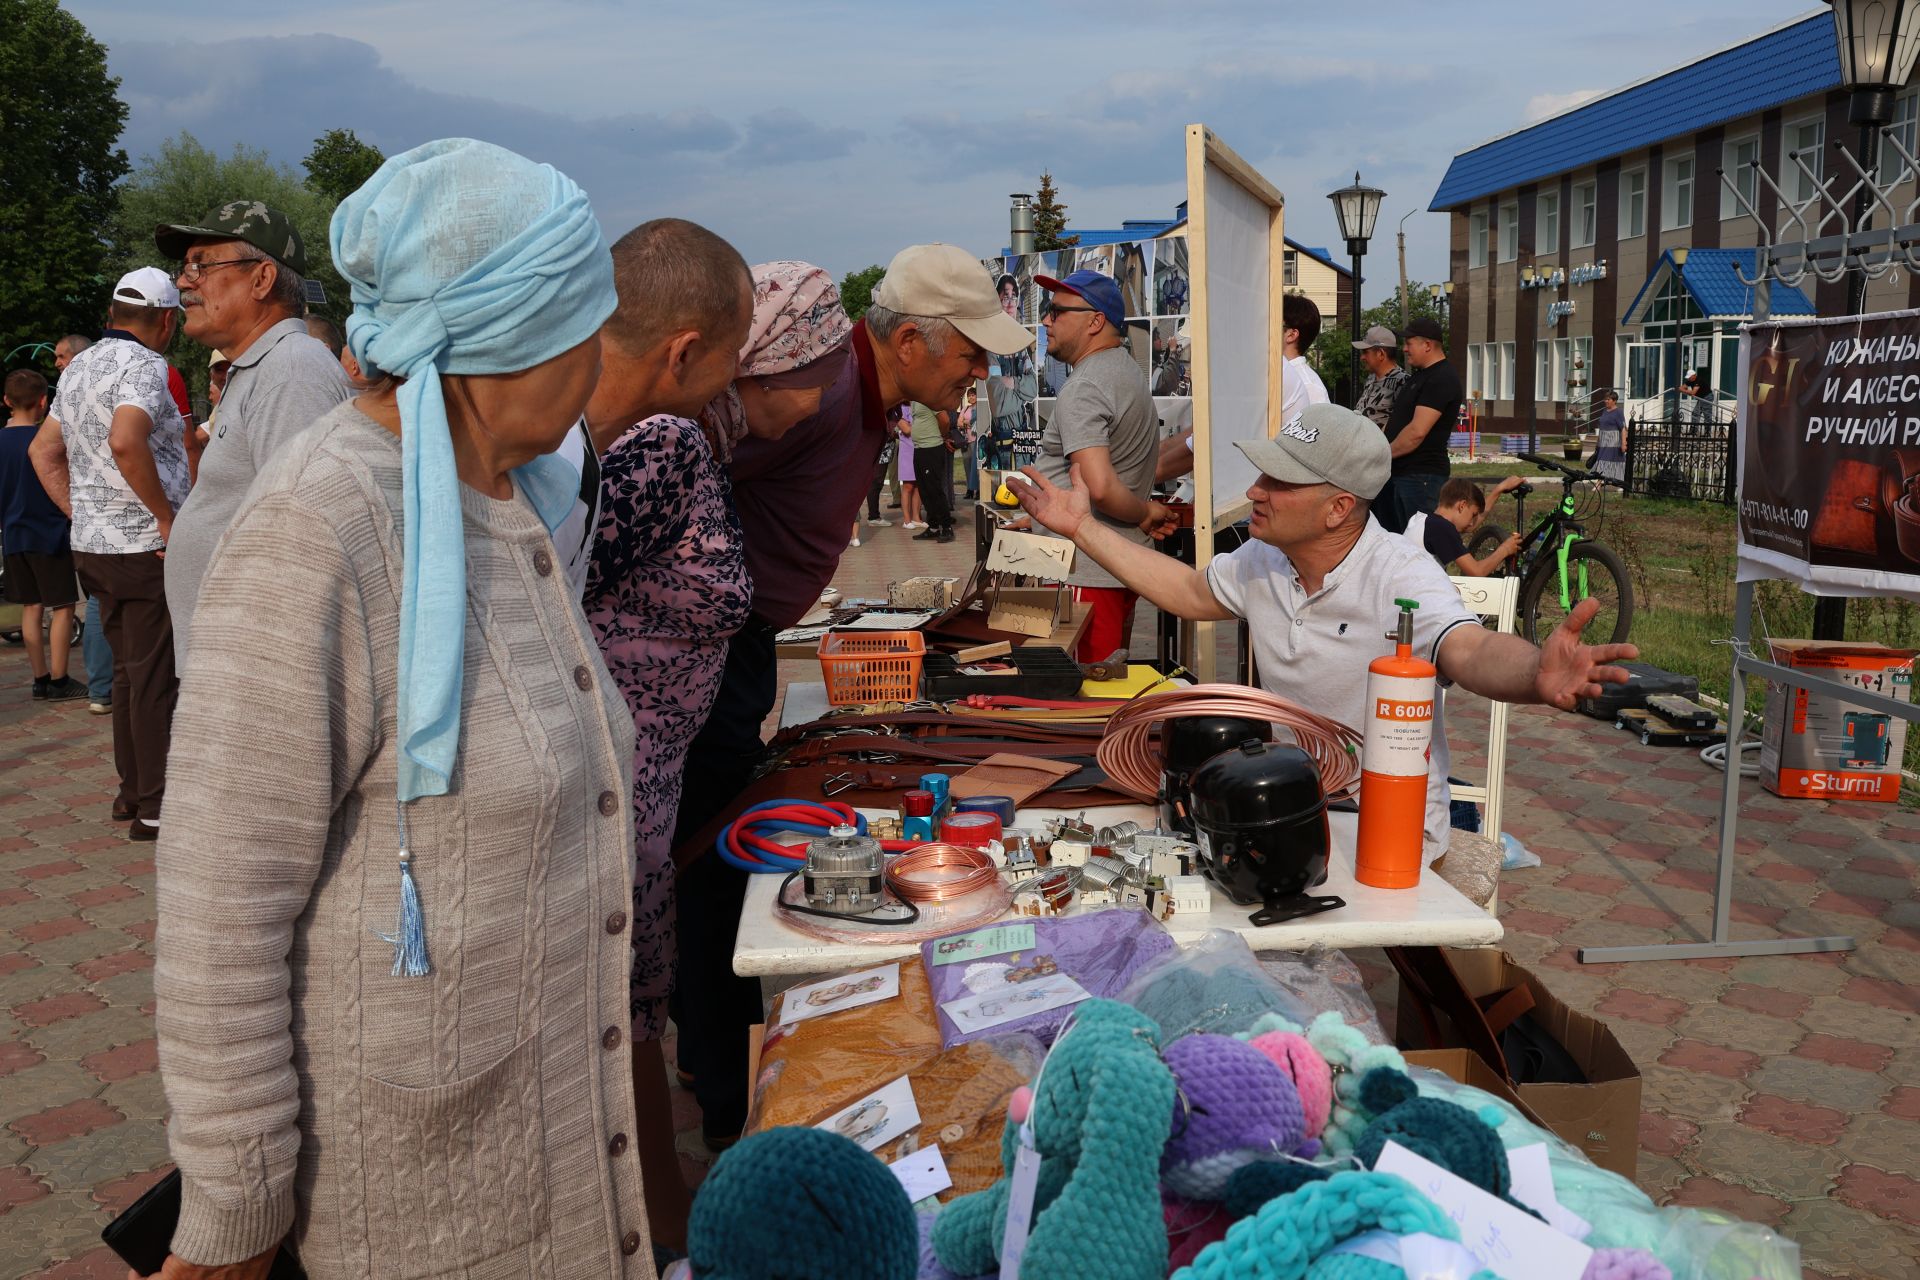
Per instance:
(871,666)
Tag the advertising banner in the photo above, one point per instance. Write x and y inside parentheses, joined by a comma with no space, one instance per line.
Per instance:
(1829,454)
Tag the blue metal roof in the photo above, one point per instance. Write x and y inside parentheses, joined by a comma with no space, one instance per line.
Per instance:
(1710,276)
(1779,66)
(1148,229)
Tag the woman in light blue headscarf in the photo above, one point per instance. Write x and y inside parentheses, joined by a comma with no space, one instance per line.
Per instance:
(395,872)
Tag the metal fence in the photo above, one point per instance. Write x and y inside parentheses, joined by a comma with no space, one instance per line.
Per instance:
(1688,457)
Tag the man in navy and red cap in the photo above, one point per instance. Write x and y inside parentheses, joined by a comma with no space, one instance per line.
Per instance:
(1103,428)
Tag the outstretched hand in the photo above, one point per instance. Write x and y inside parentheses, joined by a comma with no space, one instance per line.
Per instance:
(1570,670)
(1054,508)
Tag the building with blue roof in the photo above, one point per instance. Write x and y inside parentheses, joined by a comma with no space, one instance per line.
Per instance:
(1600,248)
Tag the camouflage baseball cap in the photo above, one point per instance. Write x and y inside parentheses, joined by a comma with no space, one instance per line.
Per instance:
(267,230)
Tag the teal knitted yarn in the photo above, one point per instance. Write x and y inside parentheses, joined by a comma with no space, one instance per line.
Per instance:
(1286,1238)
(803,1204)
(1102,1108)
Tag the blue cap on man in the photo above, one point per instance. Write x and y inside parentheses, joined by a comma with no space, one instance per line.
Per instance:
(1102,293)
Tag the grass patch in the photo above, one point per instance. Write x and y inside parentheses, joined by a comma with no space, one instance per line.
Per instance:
(1680,556)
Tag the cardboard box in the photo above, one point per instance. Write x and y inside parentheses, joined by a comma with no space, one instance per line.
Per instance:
(1822,746)
(1465,1067)
(1601,1117)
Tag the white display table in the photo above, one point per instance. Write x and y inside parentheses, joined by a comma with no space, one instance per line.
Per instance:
(1433,914)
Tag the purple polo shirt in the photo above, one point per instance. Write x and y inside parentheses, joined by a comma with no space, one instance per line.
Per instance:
(798,496)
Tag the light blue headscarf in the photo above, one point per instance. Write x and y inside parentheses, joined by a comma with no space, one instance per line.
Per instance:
(463,258)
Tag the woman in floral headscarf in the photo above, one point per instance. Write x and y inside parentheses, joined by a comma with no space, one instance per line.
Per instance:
(666,590)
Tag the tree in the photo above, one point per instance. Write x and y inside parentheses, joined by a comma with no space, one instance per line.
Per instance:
(339,163)
(1332,351)
(61,121)
(1050,218)
(856,289)
(181,184)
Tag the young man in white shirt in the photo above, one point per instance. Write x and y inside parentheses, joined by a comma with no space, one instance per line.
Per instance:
(1317,583)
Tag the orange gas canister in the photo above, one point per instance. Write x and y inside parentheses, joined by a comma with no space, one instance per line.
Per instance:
(1393,763)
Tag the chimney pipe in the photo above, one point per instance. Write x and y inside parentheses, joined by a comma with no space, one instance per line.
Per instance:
(1020,219)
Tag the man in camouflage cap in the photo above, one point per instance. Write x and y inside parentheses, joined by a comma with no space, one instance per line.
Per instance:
(243,288)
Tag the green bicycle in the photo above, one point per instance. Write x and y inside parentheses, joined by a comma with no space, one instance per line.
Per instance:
(1559,565)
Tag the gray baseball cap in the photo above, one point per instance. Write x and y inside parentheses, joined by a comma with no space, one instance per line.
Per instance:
(1326,444)
(1378,336)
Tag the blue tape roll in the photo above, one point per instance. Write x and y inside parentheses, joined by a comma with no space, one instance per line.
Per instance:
(1001,807)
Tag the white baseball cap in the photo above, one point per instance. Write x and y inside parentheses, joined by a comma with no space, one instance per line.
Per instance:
(945,282)
(147,287)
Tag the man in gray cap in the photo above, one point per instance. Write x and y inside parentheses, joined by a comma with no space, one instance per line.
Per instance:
(1385,378)
(243,288)
(1317,582)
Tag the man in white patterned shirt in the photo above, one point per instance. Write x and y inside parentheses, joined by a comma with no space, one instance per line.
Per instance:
(112,455)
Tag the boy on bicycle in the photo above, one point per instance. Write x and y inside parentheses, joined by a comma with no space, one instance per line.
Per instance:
(1456,514)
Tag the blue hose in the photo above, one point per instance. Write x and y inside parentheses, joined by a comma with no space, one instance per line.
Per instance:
(767,859)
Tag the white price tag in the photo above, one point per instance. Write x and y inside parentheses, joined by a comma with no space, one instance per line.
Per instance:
(1020,1190)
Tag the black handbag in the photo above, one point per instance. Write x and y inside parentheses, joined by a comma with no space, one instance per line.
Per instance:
(143,1234)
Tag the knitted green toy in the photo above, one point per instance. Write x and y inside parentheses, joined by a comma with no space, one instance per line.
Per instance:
(804,1204)
(1102,1109)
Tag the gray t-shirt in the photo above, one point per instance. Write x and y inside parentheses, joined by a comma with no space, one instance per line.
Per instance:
(1314,649)
(1105,402)
(280,386)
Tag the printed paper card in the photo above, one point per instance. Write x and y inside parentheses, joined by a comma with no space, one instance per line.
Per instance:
(997,941)
(831,995)
(878,1118)
(923,1173)
(1507,1241)
(981,1012)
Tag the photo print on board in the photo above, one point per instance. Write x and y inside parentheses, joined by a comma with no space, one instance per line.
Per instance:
(1133,272)
(1170,286)
(1171,353)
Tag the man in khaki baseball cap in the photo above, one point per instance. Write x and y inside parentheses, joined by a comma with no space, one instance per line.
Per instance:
(934,320)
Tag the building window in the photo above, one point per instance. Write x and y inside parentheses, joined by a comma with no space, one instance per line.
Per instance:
(1290,268)
(1509,232)
(1509,368)
(1547,224)
(1473,372)
(1586,214)
(1743,159)
(1580,349)
(1676,201)
(1633,204)
(1477,239)
(1543,369)
(1807,140)
(1894,170)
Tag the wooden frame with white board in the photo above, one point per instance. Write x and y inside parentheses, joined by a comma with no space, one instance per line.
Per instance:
(1236,256)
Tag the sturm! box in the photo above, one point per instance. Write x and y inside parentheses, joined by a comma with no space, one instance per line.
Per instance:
(1819,745)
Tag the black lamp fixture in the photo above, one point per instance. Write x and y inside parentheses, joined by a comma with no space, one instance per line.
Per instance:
(1878,41)
(1356,208)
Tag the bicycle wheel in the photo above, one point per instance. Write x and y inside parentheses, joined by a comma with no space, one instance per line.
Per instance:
(1604,577)
(1485,541)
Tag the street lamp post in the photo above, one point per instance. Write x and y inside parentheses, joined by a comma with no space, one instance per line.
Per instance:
(1877,42)
(1356,207)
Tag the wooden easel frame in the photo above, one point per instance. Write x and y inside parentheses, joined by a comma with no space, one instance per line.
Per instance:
(1212,512)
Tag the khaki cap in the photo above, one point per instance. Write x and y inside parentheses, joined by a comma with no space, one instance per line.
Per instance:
(945,282)
(1326,444)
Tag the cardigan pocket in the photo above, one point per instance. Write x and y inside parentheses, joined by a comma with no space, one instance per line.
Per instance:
(456,1172)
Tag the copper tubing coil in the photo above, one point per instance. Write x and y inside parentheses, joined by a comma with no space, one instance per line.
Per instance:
(1131,762)
(941,873)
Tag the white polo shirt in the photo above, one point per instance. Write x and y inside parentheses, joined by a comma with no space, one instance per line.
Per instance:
(1314,649)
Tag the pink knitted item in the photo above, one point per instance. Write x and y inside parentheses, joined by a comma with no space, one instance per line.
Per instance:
(1312,1077)
(1625,1264)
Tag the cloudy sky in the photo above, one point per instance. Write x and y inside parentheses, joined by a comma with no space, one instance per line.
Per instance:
(838,130)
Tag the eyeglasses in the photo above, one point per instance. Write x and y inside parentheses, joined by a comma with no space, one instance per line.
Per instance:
(191,271)
(1055,309)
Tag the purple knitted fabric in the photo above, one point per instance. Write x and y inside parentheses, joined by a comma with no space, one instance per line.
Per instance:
(1625,1264)
(1235,1106)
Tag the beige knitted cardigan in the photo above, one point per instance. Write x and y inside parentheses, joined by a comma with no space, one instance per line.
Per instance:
(474,1122)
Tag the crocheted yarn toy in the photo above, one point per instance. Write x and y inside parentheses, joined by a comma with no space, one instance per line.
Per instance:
(805,1204)
(1312,1079)
(1350,1056)
(1102,1108)
(1235,1106)
(1625,1264)
(1287,1238)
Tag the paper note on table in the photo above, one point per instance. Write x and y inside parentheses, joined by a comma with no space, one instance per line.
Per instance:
(1032,554)
(878,1118)
(831,995)
(923,1173)
(886,620)
(1012,1003)
(1531,1174)
(997,941)
(1507,1241)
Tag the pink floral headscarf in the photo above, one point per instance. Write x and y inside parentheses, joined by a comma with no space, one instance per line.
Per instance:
(797,322)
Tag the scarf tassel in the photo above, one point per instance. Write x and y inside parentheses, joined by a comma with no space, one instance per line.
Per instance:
(410,942)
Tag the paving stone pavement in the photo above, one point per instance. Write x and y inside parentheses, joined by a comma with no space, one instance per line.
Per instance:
(1785,1090)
